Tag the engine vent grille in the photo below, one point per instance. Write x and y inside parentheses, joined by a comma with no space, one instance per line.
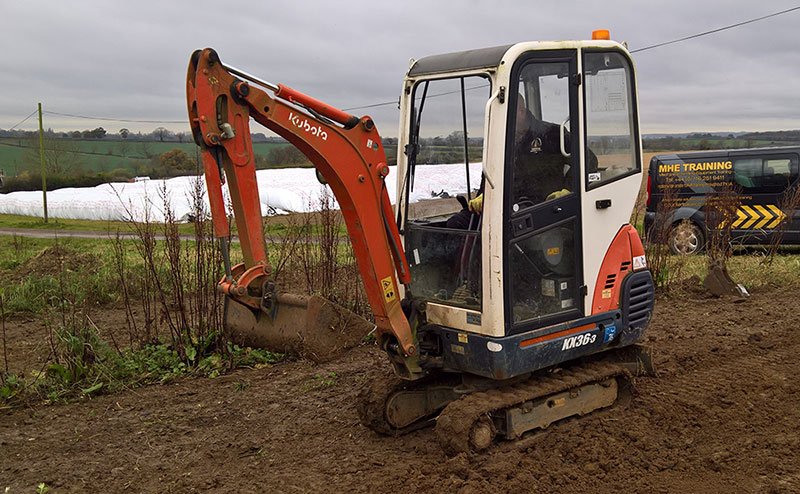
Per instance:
(640,299)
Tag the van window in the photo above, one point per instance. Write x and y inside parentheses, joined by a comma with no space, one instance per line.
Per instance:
(780,167)
(765,174)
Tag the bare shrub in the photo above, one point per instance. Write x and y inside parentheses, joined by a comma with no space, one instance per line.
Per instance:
(149,284)
(178,287)
(313,254)
(204,270)
(720,212)
(789,203)
(3,327)
(123,273)
(665,268)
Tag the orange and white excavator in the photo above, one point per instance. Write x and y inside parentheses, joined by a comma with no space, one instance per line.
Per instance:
(509,299)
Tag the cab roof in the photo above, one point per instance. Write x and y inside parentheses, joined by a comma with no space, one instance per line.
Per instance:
(459,61)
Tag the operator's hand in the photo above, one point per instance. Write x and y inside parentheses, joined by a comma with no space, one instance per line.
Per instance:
(557,194)
(476,205)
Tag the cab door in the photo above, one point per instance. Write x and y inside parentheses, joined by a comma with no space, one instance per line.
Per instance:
(542,214)
(612,167)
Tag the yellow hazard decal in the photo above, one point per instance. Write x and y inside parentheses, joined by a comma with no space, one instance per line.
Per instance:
(389,292)
(463,338)
(606,293)
(457,349)
(758,216)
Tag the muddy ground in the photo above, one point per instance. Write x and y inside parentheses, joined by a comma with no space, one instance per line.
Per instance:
(722,416)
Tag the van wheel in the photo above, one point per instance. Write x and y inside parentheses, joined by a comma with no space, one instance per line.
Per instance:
(686,238)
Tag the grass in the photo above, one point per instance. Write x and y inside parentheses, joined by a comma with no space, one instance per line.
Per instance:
(166,286)
(748,267)
(37,274)
(276,226)
(74,225)
(31,222)
(28,292)
(62,280)
(321,381)
(89,366)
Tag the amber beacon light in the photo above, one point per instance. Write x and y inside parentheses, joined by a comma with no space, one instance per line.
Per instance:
(601,34)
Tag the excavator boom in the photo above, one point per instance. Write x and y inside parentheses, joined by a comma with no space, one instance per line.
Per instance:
(347,151)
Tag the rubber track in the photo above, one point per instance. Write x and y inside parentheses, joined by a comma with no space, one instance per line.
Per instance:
(372,404)
(455,423)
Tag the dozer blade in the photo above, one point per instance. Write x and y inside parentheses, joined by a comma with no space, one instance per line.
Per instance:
(305,325)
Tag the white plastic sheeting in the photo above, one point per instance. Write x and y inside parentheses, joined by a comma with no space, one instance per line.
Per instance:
(281,191)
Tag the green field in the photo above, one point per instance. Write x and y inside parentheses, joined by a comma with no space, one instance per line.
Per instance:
(92,156)
(711,143)
(734,143)
(18,155)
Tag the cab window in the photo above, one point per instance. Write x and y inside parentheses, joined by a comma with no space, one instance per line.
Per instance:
(611,150)
(541,166)
(442,236)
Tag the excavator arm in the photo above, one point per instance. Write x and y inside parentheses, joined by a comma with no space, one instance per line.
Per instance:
(346,150)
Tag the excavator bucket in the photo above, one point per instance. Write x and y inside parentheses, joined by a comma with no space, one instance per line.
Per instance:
(305,325)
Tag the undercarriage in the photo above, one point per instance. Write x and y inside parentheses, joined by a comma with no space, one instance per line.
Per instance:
(469,412)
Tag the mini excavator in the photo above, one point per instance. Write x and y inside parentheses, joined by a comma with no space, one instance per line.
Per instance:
(526,311)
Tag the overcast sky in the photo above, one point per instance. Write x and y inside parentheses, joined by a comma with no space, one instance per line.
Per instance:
(128,59)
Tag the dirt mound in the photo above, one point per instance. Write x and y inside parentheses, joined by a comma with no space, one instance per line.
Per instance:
(54,260)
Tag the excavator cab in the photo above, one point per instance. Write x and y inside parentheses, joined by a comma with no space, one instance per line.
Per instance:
(546,136)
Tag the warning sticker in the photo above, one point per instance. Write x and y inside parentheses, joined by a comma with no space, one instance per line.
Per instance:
(457,349)
(389,291)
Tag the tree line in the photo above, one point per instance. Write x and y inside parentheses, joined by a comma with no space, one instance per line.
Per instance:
(161,134)
(706,140)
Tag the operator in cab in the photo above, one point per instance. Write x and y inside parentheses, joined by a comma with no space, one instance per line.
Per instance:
(541,172)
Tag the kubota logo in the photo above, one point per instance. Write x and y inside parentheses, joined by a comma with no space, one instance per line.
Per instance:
(303,123)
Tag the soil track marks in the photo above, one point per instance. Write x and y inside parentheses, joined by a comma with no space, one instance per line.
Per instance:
(721,417)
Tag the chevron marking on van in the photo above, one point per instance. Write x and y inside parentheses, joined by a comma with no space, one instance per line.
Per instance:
(779,215)
(758,216)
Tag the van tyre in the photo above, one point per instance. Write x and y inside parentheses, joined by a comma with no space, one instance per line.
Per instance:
(686,238)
